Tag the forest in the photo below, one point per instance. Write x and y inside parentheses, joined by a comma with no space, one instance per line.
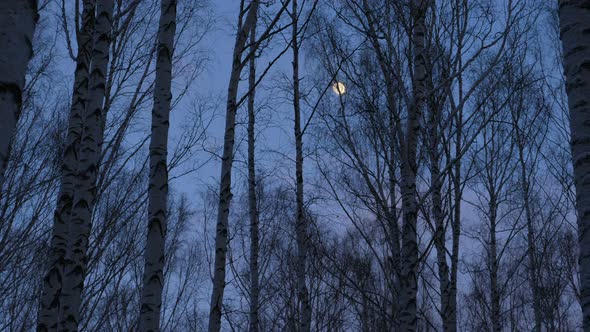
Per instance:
(294,165)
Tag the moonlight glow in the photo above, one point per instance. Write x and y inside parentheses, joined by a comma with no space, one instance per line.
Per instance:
(339,88)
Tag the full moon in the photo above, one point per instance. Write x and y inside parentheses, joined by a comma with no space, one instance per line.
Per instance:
(339,88)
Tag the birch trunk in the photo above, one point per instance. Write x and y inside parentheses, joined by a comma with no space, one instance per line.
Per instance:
(225,195)
(447,312)
(409,285)
(153,273)
(50,300)
(252,198)
(88,165)
(493,261)
(448,315)
(300,221)
(532,247)
(17,27)
(575,36)
(456,223)
(394,232)
(528,213)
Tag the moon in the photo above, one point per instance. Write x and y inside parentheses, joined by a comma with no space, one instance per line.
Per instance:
(339,88)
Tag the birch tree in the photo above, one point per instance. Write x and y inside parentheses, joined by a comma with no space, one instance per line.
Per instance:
(221,232)
(371,133)
(17,26)
(111,294)
(85,189)
(252,194)
(240,57)
(436,135)
(437,194)
(409,169)
(55,276)
(494,171)
(575,36)
(153,275)
(30,182)
(528,135)
(495,164)
(301,227)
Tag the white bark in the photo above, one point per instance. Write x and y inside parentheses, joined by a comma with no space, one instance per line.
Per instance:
(575,35)
(88,165)
(252,196)
(409,285)
(225,195)
(300,221)
(394,231)
(50,305)
(153,275)
(448,314)
(17,26)
(456,222)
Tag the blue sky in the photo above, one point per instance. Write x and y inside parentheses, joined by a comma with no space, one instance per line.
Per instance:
(275,118)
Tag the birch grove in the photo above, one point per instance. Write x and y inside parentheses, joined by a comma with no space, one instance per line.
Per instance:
(294,165)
